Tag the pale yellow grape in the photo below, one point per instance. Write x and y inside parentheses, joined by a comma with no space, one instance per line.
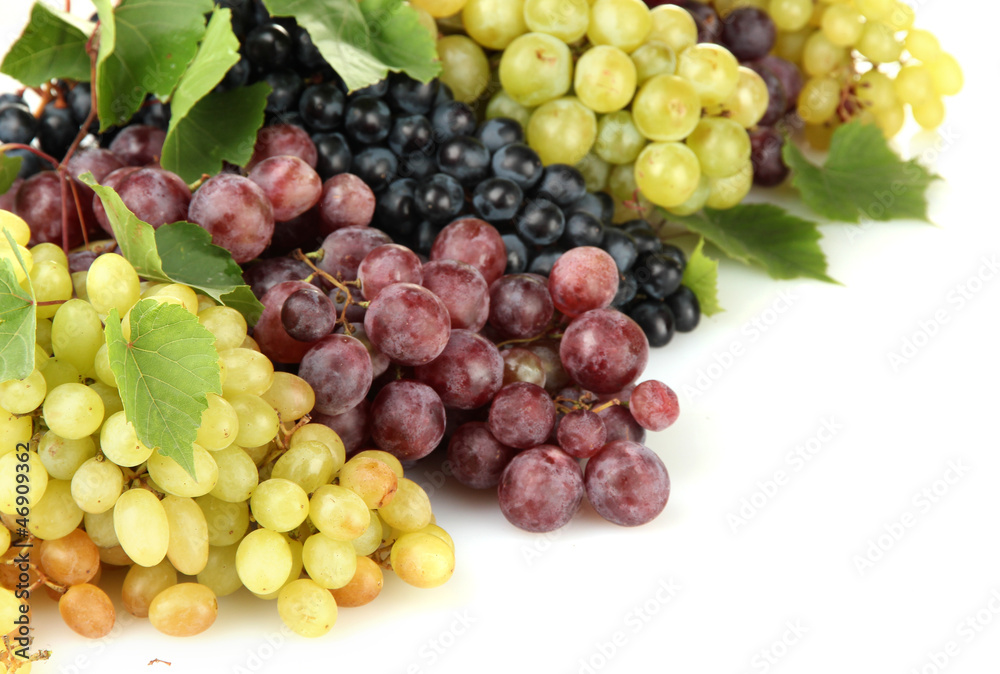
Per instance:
(330,563)
(409,509)
(17,227)
(279,504)
(730,191)
(237,475)
(77,334)
(143,583)
(7,253)
(219,574)
(819,99)
(494,23)
(721,145)
(338,512)
(120,443)
(20,396)
(96,486)
(188,546)
(651,59)
(109,396)
(667,173)
(564,19)
(619,23)
(913,84)
(227,522)
(666,107)
(435,530)
(878,43)
(56,513)
(291,396)
(258,420)
(142,527)
(595,172)
(373,481)
(946,75)
(14,430)
(562,131)
(101,528)
(789,45)
(115,556)
(51,283)
(309,465)
(790,14)
(422,560)
(10,605)
(48,252)
(296,549)
(749,101)
(79,284)
(464,67)
(819,136)
(188,298)
(250,343)
(439,9)
(673,26)
(31,489)
(365,585)
(63,457)
(247,372)
(174,479)
(604,79)
(112,283)
(43,334)
(901,16)
(73,411)
(876,91)
(385,457)
(724,7)
(259,453)
(306,608)
(536,68)
(427,21)
(226,324)
(821,57)
(102,367)
(58,372)
(711,69)
(874,9)
(930,112)
(920,43)
(371,539)
(263,561)
(184,610)
(502,105)
(219,424)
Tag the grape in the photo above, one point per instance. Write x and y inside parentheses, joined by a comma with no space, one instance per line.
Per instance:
(175,479)
(236,212)
(187,549)
(790,15)
(467,374)
(878,43)
(541,489)
(309,464)
(184,609)
(422,560)
(40,203)
(138,145)
(562,131)
(279,505)
(666,107)
(96,485)
(651,59)
(536,68)
(61,457)
(338,512)
(308,315)
(749,33)
(618,140)
(339,370)
(290,184)
(667,173)
(769,167)
(842,25)
(605,78)
(476,458)
(583,279)
(321,106)
(497,200)
(227,522)
(408,323)
(929,113)
(519,163)
(97,160)
(408,419)
(494,23)
(346,201)
(308,609)
(822,57)
(522,365)
(946,75)
(621,425)
(520,306)
(409,509)
(21,396)
(283,139)
(352,426)
(258,421)
(654,405)
(603,350)
(70,560)
(464,67)
(219,574)
(270,334)
(683,304)
(502,105)
(142,527)
(87,610)
(522,415)
(627,483)
(155,196)
(751,100)
(364,586)
(386,265)
(464,158)
(619,23)
(142,584)
(411,96)
(263,560)
(237,474)
(73,411)
(439,198)
(372,480)
(329,563)
(17,125)
(119,442)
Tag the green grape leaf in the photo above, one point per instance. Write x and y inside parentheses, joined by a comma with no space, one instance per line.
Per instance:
(784,245)
(53,45)
(10,165)
(164,372)
(209,128)
(145,47)
(180,252)
(17,319)
(701,275)
(364,40)
(862,179)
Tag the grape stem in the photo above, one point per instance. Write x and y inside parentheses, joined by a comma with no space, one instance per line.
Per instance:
(342,286)
(525,340)
(610,403)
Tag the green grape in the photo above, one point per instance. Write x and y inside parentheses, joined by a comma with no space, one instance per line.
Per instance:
(188,546)
(143,583)
(422,560)
(73,411)
(890,119)
(247,372)
(112,284)
(219,574)
(5,540)
(57,372)
(291,396)
(842,25)
(876,91)
(7,253)
(789,45)
(14,430)
(306,608)
(721,145)
(673,26)
(712,70)
(330,563)
(371,539)
(102,367)
(120,444)
(101,528)
(188,298)
(494,23)
(51,283)
(749,101)
(142,527)
(821,57)
(819,99)
(874,9)
(619,23)
(309,464)
(618,139)
(296,549)
(17,227)
(502,105)
(109,396)
(724,7)
(279,504)
(96,486)
(878,43)
(20,396)
(595,172)
(174,479)
(790,14)
(56,514)
(651,59)
(338,512)
(464,67)
(667,107)
(696,201)
(237,475)
(258,420)
(730,191)
(62,457)
(562,131)
(435,530)
(219,424)
(621,183)
(409,509)
(43,334)
(31,489)
(184,610)
(901,16)
(80,285)
(605,79)
(77,334)
(920,43)
(385,457)
(439,9)
(946,75)
(536,68)
(226,324)
(259,453)
(48,252)
(929,113)
(227,522)
(10,614)
(263,560)
(913,84)
(667,173)
(564,19)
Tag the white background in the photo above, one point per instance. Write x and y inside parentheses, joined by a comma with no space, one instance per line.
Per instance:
(880,553)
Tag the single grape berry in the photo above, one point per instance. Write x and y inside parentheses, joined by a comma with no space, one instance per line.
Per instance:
(308,315)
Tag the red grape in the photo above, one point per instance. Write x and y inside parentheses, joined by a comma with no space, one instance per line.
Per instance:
(627,483)
(462,289)
(291,185)
(476,458)
(654,405)
(475,242)
(603,350)
(386,265)
(407,419)
(283,139)
(541,489)
(344,250)
(138,145)
(346,201)
(582,279)
(467,374)
(520,306)
(408,323)
(340,372)
(522,415)
(237,214)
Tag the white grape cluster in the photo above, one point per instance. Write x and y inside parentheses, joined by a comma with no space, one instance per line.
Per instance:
(273,506)
(645,112)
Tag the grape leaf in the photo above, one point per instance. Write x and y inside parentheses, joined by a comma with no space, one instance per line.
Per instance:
(164,372)
(784,245)
(701,275)
(53,45)
(207,128)
(17,320)
(10,165)
(364,40)
(862,179)
(180,252)
(145,45)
